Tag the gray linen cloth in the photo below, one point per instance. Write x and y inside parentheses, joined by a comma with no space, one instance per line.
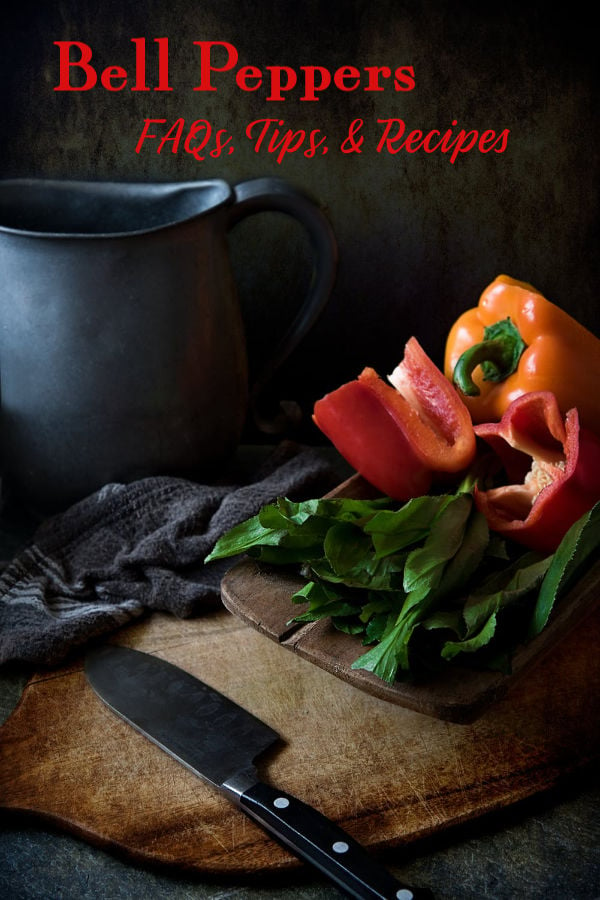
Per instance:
(130,548)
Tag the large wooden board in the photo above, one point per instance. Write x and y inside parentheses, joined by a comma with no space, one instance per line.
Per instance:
(386,774)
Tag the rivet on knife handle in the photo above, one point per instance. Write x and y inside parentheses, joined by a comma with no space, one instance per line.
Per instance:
(317,840)
(219,741)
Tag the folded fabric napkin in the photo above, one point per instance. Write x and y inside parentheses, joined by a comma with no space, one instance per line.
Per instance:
(135,547)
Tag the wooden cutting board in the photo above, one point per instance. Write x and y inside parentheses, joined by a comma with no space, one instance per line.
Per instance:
(386,774)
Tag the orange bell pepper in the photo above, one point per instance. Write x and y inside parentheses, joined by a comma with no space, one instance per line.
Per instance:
(553,470)
(515,341)
(399,437)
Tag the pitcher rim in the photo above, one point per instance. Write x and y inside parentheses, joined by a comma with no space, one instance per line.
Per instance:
(116,186)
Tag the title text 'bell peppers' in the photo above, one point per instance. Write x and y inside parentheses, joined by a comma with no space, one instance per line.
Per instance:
(398,437)
(553,466)
(514,342)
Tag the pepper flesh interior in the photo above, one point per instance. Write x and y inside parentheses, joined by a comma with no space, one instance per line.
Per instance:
(423,404)
(515,501)
(436,409)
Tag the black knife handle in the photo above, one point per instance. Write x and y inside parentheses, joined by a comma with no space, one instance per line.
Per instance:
(316,839)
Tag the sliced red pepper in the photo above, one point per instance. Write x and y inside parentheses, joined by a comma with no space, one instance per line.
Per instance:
(398,438)
(553,466)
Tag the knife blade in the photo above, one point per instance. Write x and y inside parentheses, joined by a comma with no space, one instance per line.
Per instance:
(219,741)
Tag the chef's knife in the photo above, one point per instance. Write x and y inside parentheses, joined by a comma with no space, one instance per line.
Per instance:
(219,741)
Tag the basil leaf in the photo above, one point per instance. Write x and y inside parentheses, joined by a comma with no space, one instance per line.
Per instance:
(393,530)
(375,628)
(446,620)
(473,643)
(288,524)
(347,626)
(469,555)
(519,580)
(392,652)
(323,603)
(503,589)
(376,605)
(242,537)
(578,547)
(346,548)
(383,659)
(425,565)
(302,550)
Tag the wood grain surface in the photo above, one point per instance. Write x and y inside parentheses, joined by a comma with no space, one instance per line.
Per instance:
(386,774)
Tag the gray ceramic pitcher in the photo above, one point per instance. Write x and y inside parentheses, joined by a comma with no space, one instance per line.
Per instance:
(122,350)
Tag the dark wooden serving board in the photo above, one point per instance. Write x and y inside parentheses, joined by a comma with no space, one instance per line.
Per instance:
(387,774)
(261,596)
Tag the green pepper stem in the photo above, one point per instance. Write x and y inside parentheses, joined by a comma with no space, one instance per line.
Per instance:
(498,354)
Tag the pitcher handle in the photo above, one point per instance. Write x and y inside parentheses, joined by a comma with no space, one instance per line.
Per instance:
(274,195)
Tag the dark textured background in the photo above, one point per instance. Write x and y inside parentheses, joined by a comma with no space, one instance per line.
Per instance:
(419,238)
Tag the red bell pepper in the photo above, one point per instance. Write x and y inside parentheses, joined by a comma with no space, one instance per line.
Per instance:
(399,438)
(553,469)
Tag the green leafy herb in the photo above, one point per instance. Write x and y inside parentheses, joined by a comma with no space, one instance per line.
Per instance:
(481,609)
(578,549)
(425,565)
(422,581)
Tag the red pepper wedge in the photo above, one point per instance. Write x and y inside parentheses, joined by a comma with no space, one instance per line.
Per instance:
(399,437)
(553,466)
